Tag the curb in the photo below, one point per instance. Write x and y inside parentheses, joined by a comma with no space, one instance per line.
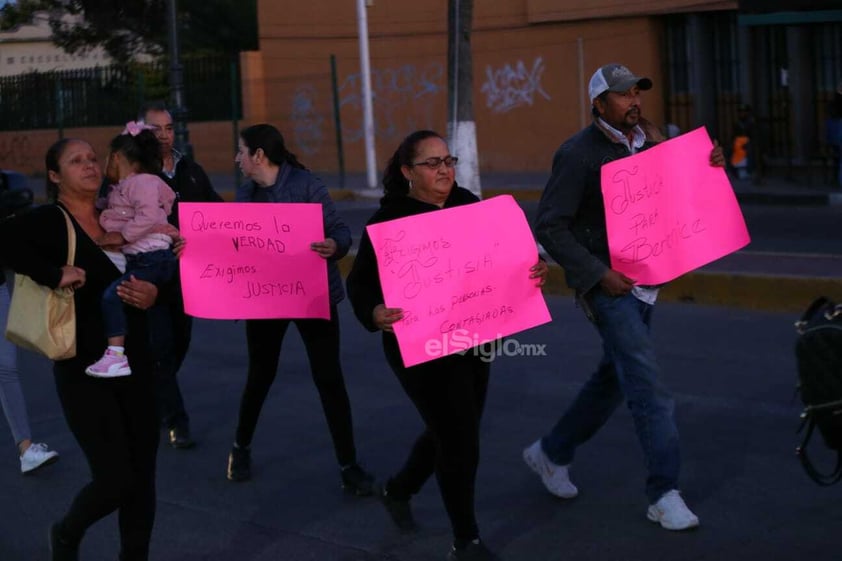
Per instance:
(532,194)
(758,292)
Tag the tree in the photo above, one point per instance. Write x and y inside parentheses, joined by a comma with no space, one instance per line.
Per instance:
(126,28)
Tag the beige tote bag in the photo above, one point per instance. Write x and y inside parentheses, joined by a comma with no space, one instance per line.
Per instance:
(42,319)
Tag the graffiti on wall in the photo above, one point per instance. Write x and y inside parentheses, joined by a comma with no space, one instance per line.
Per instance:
(401,97)
(307,121)
(508,87)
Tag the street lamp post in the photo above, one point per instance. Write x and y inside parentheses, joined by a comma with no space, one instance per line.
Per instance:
(178,110)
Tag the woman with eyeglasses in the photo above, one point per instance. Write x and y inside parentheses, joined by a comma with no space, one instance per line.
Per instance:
(448,392)
(276,176)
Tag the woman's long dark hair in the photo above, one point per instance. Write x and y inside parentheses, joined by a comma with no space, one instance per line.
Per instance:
(51,159)
(271,141)
(142,149)
(394,183)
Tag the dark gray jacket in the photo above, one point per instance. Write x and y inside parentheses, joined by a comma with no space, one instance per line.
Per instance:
(571,214)
(295,185)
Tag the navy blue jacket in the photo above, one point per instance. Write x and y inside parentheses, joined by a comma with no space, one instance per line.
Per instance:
(296,185)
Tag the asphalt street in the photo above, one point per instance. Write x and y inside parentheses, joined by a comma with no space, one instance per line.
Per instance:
(732,372)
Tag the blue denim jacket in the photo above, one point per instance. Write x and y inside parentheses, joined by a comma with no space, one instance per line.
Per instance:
(295,185)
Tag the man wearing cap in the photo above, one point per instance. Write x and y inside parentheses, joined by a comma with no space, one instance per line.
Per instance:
(571,228)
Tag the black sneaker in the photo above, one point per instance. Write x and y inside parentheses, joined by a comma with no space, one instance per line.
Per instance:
(239,464)
(399,511)
(357,481)
(474,551)
(180,439)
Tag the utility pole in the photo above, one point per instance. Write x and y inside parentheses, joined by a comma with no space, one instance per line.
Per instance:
(368,109)
(178,110)
(461,128)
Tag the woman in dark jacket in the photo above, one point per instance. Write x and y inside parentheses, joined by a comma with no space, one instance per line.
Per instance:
(449,392)
(113,420)
(276,176)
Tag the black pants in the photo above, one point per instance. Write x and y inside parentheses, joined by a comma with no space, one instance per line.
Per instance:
(115,424)
(449,393)
(170,334)
(321,339)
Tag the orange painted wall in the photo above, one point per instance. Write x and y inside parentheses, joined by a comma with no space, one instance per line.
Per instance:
(527,82)
(527,94)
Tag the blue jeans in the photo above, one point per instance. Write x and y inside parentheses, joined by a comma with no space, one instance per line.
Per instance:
(11,393)
(157,267)
(630,371)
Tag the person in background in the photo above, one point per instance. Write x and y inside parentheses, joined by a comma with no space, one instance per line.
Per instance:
(33,455)
(113,420)
(571,227)
(191,184)
(833,132)
(743,148)
(448,392)
(276,176)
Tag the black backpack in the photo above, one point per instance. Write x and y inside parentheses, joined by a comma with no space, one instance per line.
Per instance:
(818,351)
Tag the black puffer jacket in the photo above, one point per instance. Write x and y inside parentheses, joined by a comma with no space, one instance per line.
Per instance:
(363,282)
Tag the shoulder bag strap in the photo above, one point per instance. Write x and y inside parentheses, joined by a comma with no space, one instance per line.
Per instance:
(823,479)
(71,237)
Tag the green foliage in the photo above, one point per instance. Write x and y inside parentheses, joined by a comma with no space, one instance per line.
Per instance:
(125,28)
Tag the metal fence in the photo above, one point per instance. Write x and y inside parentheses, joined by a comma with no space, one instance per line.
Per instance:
(109,95)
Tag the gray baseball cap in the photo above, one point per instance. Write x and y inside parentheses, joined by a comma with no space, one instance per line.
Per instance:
(615,78)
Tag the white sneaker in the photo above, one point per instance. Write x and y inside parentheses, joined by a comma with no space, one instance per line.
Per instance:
(556,478)
(671,512)
(36,456)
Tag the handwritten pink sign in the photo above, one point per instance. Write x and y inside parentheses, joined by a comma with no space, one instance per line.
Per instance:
(461,275)
(253,261)
(668,211)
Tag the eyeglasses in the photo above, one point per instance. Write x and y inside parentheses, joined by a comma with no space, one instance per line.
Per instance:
(435,163)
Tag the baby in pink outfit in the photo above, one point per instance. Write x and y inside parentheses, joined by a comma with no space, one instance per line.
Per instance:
(138,206)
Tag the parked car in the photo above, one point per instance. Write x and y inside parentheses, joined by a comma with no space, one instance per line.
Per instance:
(15,193)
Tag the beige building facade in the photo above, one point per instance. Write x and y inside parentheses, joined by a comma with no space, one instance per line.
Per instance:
(28,49)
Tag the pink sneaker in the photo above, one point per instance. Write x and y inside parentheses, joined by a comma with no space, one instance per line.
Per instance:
(111,365)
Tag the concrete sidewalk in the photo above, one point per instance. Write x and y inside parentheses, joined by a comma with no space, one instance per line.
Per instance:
(527,186)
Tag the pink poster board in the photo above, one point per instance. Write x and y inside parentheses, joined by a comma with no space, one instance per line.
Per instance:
(461,275)
(668,211)
(253,261)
